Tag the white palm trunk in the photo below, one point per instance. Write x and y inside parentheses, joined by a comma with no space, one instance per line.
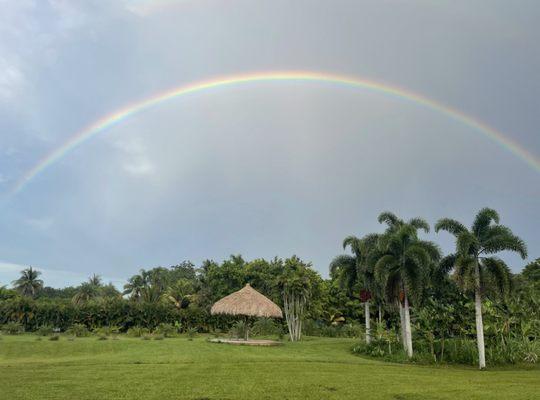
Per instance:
(368,322)
(402,325)
(408,333)
(479,330)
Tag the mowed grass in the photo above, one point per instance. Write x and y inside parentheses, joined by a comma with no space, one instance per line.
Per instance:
(131,368)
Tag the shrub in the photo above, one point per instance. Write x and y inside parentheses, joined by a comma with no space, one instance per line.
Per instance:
(137,331)
(107,331)
(12,328)
(191,333)
(102,336)
(312,328)
(159,337)
(54,337)
(146,337)
(265,327)
(78,330)
(166,330)
(352,331)
(44,330)
(239,330)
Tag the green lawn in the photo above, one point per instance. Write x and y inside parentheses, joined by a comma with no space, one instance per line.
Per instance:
(179,369)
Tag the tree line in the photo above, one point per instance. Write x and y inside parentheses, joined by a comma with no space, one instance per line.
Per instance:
(422,299)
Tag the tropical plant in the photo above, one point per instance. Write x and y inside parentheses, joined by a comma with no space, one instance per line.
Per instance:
(86,292)
(297,284)
(167,330)
(473,263)
(44,330)
(356,273)
(78,330)
(12,328)
(404,265)
(29,283)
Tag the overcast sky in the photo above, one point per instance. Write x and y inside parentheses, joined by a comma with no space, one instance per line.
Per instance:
(261,169)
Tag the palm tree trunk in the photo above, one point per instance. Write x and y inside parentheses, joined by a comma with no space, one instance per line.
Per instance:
(408,333)
(479,329)
(402,325)
(380,314)
(368,322)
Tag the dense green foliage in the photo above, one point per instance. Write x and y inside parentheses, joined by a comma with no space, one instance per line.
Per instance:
(421,301)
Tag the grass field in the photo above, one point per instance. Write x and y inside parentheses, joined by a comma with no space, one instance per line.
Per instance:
(180,369)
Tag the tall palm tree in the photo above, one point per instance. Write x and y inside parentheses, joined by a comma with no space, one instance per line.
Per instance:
(28,284)
(403,266)
(473,260)
(356,272)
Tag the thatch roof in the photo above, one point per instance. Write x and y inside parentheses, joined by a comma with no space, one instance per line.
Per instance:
(247,301)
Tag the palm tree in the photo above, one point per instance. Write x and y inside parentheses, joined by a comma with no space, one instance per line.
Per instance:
(179,293)
(95,280)
(28,284)
(404,265)
(135,286)
(472,262)
(355,272)
(87,291)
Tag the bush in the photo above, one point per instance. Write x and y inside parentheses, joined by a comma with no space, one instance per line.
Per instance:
(191,333)
(265,327)
(137,331)
(12,328)
(159,337)
(146,337)
(107,331)
(166,330)
(78,330)
(238,331)
(352,331)
(54,337)
(44,330)
(102,336)
(311,328)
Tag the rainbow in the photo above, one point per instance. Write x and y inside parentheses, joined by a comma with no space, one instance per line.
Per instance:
(120,115)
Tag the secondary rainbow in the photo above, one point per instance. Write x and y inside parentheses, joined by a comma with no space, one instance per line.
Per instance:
(118,116)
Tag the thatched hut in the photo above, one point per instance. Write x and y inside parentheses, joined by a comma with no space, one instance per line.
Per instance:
(247,302)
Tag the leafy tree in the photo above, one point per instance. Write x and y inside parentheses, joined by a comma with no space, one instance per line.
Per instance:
(531,272)
(299,284)
(474,264)
(29,283)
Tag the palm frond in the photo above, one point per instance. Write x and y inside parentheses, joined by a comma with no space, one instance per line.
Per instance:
(483,219)
(432,248)
(466,243)
(505,241)
(353,242)
(386,264)
(419,223)
(450,225)
(499,271)
(447,263)
(388,218)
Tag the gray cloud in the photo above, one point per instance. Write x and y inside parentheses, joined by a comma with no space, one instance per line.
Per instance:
(261,169)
